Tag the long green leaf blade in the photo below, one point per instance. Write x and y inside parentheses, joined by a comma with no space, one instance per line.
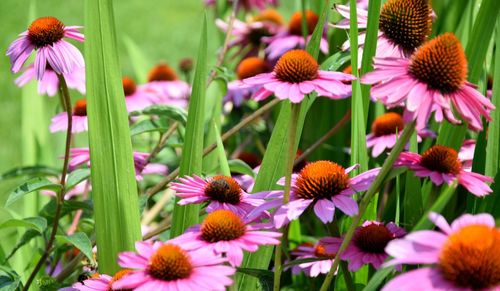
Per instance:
(116,205)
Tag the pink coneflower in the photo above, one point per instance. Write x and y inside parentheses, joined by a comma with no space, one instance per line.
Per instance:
(386,129)
(441,164)
(404,25)
(463,256)
(324,184)
(101,282)
(434,77)
(466,153)
(324,252)
(135,98)
(293,38)
(49,83)
(368,244)
(237,91)
(45,35)
(248,36)
(80,156)
(166,88)
(79,117)
(221,192)
(168,266)
(297,74)
(224,232)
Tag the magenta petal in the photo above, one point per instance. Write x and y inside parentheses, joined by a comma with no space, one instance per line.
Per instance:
(421,279)
(346,204)
(324,209)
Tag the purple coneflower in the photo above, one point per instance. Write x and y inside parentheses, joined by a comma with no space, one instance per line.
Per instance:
(100,282)
(324,252)
(49,83)
(297,74)
(45,35)
(136,98)
(368,244)
(404,25)
(463,256)
(430,81)
(221,192)
(79,118)
(168,266)
(166,88)
(293,37)
(224,233)
(324,184)
(442,164)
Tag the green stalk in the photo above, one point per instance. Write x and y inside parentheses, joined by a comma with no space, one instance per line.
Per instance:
(291,154)
(116,207)
(384,172)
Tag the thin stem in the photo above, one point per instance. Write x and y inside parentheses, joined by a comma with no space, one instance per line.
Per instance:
(291,154)
(63,89)
(334,230)
(247,120)
(384,172)
(324,138)
(161,142)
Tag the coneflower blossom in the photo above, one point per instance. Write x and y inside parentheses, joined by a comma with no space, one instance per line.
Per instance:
(166,88)
(324,253)
(45,35)
(430,81)
(101,282)
(221,192)
(79,118)
(386,129)
(237,91)
(462,256)
(368,244)
(297,74)
(248,36)
(466,153)
(168,266)
(225,233)
(404,25)
(136,98)
(293,38)
(442,164)
(49,83)
(80,156)
(323,184)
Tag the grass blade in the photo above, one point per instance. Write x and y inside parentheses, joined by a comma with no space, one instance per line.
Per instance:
(116,206)
(192,152)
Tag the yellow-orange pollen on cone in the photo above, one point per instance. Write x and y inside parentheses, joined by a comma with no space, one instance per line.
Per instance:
(45,31)
(321,252)
(295,24)
(440,63)
(321,179)
(269,15)
(470,258)
(170,263)
(296,66)
(250,67)
(80,108)
(129,86)
(406,23)
(224,190)
(441,159)
(162,72)
(373,238)
(120,274)
(222,225)
(388,123)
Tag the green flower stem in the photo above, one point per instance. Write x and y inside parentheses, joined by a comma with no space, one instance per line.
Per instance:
(379,180)
(291,154)
(66,103)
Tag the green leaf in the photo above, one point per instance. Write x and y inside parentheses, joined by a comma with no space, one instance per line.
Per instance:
(224,165)
(215,94)
(32,185)
(378,278)
(238,166)
(114,188)
(265,277)
(77,176)
(37,223)
(139,61)
(80,241)
(30,171)
(192,152)
(26,238)
(149,125)
(335,61)
(412,202)
(172,112)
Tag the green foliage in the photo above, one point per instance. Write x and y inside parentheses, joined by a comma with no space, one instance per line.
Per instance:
(80,241)
(31,185)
